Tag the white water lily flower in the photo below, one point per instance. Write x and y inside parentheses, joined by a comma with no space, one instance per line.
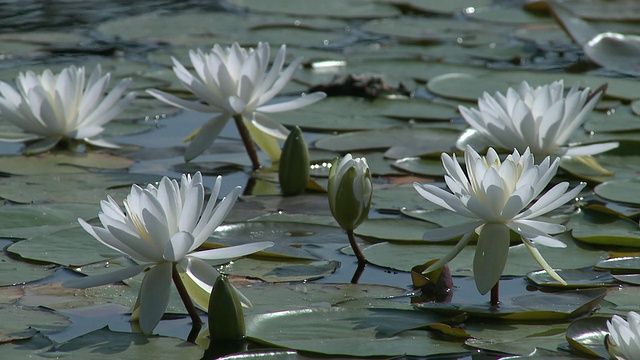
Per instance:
(540,119)
(236,82)
(495,196)
(161,228)
(625,335)
(52,107)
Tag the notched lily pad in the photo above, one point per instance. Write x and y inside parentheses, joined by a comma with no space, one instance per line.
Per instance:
(604,229)
(575,278)
(536,306)
(586,336)
(351,332)
(281,271)
(20,322)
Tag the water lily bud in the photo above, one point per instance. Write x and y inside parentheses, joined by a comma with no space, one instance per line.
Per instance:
(350,189)
(293,172)
(226,318)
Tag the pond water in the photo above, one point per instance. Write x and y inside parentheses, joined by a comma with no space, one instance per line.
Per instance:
(414,62)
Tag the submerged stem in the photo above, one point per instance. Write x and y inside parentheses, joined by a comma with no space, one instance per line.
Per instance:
(495,298)
(186,299)
(356,249)
(247,141)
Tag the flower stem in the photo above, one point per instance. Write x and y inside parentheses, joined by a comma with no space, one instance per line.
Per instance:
(186,299)
(247,141)
(356,249)
(358,273)
(495,298)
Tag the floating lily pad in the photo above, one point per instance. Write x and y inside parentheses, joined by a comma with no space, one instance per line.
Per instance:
(20,322)
(575,278)
(401,230)
(440,7)
(604,229)
(351,332)
(520,261)
(267,298)
(18,272)
(587,336)
(281,271)
(615,52)
(627,191)
(514,338)
(60,163)
(536,306)
(505,15)
(290,239)
(440,140)
(428,30)
(73,246)
(633,279)
(626,264)
(621,118)
(87,188)
(352,9)
(421,166)
(400,198)
(26,221)
(106,344)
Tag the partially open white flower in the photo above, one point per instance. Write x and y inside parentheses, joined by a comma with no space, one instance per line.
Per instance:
(625,336)
(495,196)
(50,107)
(540,119)
(236,82)
(161,228)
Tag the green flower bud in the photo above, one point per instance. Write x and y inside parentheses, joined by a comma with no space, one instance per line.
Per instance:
(350,189)
(226,318)
(293,172)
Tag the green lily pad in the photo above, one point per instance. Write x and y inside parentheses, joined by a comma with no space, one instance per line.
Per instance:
(401,230)
(586,336)
(423,30)
(27,221)
(575,278)
(326,220)
(72,246)
(627,190)
(351,332)
(268,298)
(400,198)
(290,239)
(604,229)
(633,279)
(520,261)
(87,188)
(352,9)
(21,322)
(281,271)
(621,118)
(626,264)
(19,272)
(440,140)
(60,163)
(514,338)
(441,7)
(421,166)
(506,15)
(536,306)
(106,344)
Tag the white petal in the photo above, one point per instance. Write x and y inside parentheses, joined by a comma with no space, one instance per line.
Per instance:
(205,136)
(204,229)
(269,126)
(491,255)
(450,232)
(592,149)
(104,279)
(536,255)
(443,199)
(181,103)
(297,103)
(154,296)
(452,254)
(551,200)
(179,246)
(226,254)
